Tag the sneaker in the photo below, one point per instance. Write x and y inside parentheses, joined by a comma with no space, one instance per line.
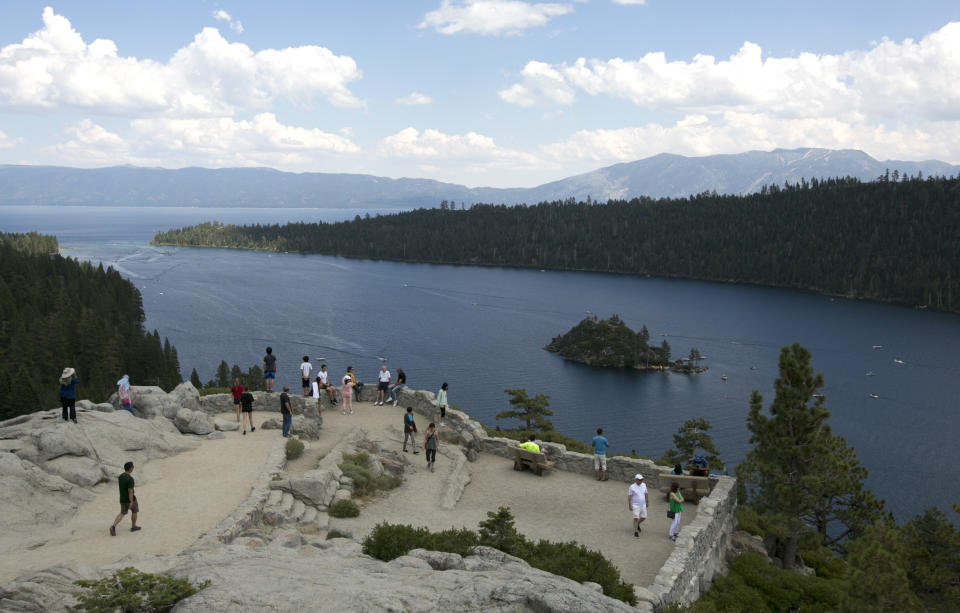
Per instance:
(394,403)
(244,432)
(135,529)
(351,411)
(343,412)
(415,452)
(636,533)
(113,531)
(405,450)
(74,420)
(253,429)
(431,469)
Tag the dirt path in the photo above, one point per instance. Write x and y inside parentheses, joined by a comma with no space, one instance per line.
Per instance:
(181,497)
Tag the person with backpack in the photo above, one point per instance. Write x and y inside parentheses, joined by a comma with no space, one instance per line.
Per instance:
(409,429)
(431,442)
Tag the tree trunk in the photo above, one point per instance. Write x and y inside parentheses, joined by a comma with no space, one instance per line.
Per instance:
(790,553)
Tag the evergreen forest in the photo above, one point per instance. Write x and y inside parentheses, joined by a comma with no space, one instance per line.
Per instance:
(57,312)
(893,239)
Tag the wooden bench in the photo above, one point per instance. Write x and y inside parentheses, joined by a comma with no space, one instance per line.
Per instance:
(692,488)
(537,462)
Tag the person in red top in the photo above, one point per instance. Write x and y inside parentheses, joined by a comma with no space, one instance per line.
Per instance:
(237,391)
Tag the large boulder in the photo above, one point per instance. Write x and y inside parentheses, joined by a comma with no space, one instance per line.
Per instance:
(185,395)
(149,401)
(300,426)
(193,422)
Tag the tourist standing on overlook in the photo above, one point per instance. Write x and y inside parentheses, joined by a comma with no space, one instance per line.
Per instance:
(128,500)
(600,444)
(409,429)
(246,401)
(237,390)
(431,442)
(442,401)
(676,508)
(399,385)
(305,369)
(286,411)
(357,386)
(269,369)
(123,393)
(637,501)
(68,393)
(324,380)
(346,393)
(315,389)
(383,385)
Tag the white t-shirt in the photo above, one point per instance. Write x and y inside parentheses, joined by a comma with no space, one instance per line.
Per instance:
(316,389)
(384,376)
(323,376)
(638,495)
(305,368)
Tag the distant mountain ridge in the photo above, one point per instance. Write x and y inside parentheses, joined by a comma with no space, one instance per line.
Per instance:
(663,175)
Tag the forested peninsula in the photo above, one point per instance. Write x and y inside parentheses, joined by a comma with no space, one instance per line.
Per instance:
(893,239)
(57,312)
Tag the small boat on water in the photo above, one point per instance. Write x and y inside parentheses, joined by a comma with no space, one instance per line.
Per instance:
(870,373)
(874,396)
(878,346)
(898,361)
(723,377)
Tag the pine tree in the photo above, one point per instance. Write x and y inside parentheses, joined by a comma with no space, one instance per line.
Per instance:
(223,372)
(799,476)
(878,579)
(691,437)
(195,379)
(532,411)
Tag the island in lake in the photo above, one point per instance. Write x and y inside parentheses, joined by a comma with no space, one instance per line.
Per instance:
(611,342)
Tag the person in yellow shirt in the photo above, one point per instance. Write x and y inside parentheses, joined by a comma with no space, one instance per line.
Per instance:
(530,445)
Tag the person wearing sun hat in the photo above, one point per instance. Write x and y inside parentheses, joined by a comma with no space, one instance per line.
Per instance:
(637,501)
(68,394)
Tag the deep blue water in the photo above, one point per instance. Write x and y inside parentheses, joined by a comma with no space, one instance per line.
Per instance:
(482,330)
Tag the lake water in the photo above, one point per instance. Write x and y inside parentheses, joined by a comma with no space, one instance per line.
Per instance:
(482,330)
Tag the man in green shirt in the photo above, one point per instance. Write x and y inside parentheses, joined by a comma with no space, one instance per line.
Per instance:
(128,500)
(530,445)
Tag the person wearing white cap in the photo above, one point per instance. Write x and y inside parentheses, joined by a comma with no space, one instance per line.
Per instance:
(68,393)
(637,501)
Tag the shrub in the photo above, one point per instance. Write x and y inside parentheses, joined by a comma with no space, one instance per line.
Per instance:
(294,449)
(549,436)
(344,508)
(357,467)
(337,534)
(128,589)
(389,541)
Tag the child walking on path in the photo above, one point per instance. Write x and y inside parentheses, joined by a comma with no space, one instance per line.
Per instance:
(431,442)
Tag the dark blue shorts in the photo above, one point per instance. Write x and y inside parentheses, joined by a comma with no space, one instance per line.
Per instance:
(269,375)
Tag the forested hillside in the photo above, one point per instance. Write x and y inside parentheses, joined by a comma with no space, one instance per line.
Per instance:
(894,239)
(57,312)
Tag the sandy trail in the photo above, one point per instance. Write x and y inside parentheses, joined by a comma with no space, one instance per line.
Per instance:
(180,497)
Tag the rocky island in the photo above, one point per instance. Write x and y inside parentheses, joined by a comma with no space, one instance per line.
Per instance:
(612,343)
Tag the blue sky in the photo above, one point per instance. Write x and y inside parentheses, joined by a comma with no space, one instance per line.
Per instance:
(479,92)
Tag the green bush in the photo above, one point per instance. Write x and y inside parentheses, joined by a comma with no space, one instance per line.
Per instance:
(129,590)
(336,534)
(344,508)
(549,436)
(357,467)
(294,448)
(389,541)
(571,560)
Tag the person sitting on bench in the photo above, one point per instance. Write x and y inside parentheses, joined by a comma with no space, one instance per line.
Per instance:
(698,466)
(530,445)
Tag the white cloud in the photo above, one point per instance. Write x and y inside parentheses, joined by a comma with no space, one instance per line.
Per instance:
(414,99)
(54,68)
(629,1)
(215,142)
(235,25)
(5,141)
(734,132)
(891,80)
(491,17)
(435,145)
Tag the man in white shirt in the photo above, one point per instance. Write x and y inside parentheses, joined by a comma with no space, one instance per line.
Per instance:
(383,385)
(637,501)
(324,384)
(305,369)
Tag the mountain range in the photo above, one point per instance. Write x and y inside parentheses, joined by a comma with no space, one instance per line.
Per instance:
(664,175)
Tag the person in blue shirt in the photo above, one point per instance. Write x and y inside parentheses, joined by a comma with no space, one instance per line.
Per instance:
(600,444)
(68,393)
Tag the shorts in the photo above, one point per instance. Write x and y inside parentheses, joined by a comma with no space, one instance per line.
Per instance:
(639,512)
(247,410)
(383,386)
(306,381)
(133,508)
(269,375)
(600,461)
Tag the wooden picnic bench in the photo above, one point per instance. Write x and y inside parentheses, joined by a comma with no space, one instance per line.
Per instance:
(692,488)
(537,462)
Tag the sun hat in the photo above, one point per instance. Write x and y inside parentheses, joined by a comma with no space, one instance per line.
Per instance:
(638,477)
(67,372)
